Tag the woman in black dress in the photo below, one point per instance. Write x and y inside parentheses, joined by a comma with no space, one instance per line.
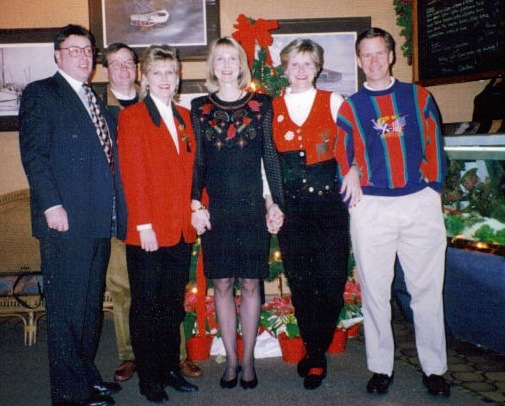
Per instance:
(234,143)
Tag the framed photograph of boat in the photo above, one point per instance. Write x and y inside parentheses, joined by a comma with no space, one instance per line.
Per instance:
(189,25)
(25,55)
(337,36)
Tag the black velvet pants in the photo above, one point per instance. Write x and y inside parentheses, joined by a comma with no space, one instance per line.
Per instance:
(314,242)
(157,282)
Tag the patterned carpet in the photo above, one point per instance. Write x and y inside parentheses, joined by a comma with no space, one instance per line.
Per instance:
(479,371)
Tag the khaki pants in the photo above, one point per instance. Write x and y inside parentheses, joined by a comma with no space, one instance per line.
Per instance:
(412,228)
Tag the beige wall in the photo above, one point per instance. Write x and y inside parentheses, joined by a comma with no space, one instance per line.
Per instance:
(455,101)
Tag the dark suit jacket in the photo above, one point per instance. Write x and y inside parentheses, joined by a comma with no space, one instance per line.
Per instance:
(65,163)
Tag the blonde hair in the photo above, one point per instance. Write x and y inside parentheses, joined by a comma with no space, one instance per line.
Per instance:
(244,76)
(153,55)
(303,46)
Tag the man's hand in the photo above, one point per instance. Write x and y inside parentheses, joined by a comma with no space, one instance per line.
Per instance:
(351,187)
(57,219)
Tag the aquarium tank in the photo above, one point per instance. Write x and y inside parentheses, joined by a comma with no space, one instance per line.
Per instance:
(474,193)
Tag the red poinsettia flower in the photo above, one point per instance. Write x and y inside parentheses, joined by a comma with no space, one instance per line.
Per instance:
(190,302)
(352,292)
(247,121)
(254,105)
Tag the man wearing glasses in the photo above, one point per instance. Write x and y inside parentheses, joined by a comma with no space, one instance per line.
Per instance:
(120,64)
(68,150)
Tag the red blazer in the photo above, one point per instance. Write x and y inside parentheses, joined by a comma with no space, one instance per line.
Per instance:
(156,179)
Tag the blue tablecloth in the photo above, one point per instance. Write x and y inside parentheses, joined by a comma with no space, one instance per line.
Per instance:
(474,297)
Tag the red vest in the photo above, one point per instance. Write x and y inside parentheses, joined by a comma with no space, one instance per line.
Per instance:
(316,136)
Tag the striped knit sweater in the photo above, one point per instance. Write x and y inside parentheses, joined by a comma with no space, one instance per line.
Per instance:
(395,138)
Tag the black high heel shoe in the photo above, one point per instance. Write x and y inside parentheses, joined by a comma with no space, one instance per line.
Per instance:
(231,383)
(249,384)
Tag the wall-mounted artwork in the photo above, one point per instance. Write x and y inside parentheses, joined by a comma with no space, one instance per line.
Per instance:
(189,25)
(337,36)
(25,55)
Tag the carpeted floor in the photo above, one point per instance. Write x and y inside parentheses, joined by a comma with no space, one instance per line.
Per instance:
(477,376)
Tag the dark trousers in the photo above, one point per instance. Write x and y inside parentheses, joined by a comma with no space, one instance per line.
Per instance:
(157,282)
(74,282)
(314,242)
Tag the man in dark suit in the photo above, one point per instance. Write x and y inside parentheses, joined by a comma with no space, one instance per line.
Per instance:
(69,154)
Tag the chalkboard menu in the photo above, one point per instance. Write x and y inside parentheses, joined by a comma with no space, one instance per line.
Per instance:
(458,40)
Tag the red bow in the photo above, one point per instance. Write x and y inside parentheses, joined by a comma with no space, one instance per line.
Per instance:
(249,32)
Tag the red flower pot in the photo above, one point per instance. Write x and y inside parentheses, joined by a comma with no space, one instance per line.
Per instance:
(353,331)
(293,349)
(198,347)
(339,341)
(240,348)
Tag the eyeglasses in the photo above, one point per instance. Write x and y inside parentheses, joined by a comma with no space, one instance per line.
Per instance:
(117,65)
(75,51)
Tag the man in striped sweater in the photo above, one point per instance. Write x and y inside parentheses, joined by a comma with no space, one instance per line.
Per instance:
(391,131)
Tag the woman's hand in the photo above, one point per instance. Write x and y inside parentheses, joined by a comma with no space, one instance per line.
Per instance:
(275,218)
(351,187)
(200,220)
(148,240)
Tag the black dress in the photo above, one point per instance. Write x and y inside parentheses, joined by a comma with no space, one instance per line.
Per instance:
(232,138)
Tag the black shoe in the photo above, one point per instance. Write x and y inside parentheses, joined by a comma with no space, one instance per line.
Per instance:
(249,384)
(106,388)
(379,384)
(232,382)
(314,378)
(303,367)
(99,400)
(177,381)
(155,396)
(437,385)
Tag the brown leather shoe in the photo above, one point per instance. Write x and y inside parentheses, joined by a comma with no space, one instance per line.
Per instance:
(190,369)
(125,371)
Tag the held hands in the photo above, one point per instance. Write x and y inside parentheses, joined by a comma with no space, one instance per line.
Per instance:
(148,240)
(275,218)
(57,219)
(351,187)
(200,217)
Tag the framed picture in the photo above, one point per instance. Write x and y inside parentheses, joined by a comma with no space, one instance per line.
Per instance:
(25,55)
(189,25)
(337,36)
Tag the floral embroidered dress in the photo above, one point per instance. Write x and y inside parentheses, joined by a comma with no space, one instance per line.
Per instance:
(232,139)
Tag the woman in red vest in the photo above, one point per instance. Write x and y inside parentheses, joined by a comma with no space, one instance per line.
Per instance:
(314,239)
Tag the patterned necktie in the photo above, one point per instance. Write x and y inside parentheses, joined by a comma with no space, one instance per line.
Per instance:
(99,122)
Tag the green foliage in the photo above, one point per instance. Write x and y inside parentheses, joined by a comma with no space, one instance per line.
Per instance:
(403,10)
(275,267)
(487,234)
(454,224)
(271,80)
(189,323)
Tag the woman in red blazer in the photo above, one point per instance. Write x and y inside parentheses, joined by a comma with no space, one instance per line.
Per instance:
(156,152)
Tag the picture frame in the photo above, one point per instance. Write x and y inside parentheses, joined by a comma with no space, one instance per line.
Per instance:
(337,36)
(25,55)
(190,26)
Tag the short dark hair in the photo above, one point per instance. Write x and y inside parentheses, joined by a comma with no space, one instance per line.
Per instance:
(72,29)
(376,32)
(113,48)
